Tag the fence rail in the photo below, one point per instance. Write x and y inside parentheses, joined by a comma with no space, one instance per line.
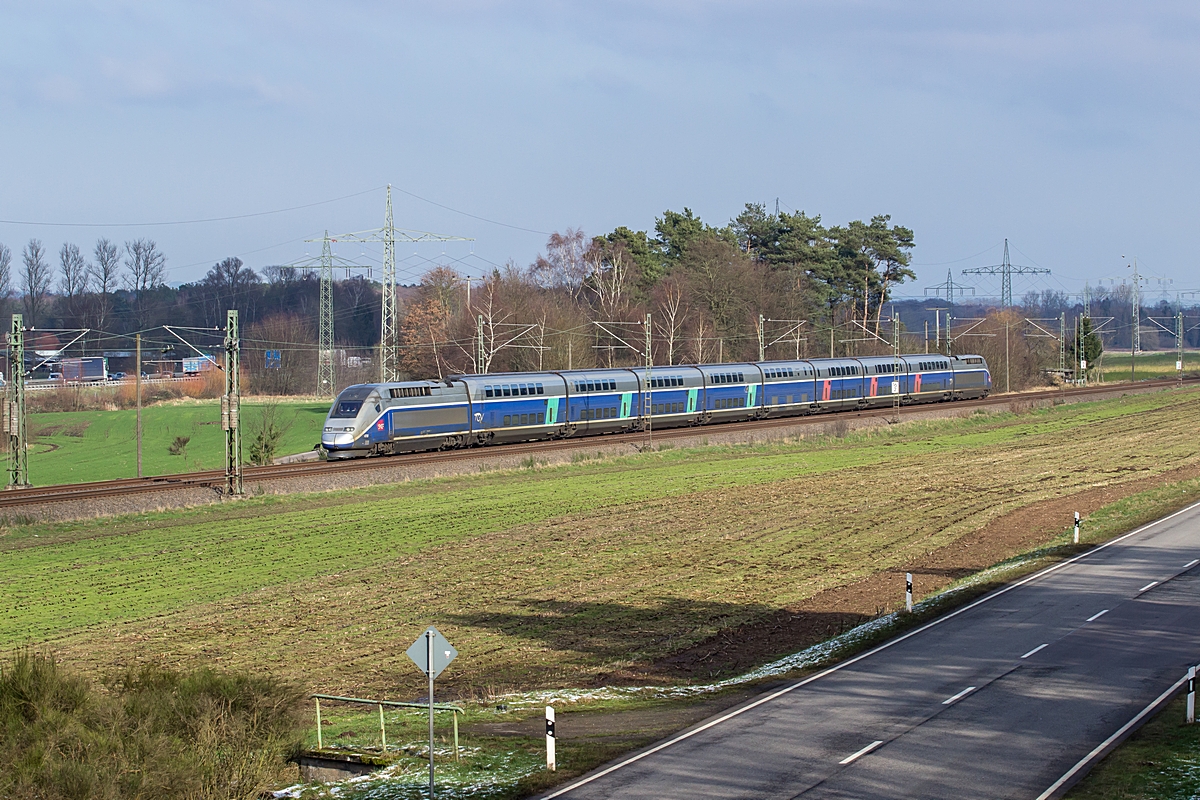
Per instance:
(317,698)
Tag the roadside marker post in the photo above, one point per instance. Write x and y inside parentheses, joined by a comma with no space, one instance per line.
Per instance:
(1191,695)
(550,738)
(1076,527)
(908,591)
(432,654)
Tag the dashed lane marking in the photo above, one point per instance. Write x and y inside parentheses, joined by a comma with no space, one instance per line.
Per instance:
(851,758)
(1034,650)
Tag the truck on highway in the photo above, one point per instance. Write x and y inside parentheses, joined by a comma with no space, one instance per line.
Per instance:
(79,370)
(194,366)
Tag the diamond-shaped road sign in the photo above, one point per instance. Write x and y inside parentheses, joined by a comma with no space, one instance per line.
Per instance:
(443,652)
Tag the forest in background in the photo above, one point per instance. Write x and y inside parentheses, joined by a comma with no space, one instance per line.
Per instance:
(810,289)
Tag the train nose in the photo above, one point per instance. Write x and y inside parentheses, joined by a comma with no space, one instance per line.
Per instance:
(339,439)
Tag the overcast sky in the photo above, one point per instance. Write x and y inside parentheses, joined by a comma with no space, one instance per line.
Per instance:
(1069,128)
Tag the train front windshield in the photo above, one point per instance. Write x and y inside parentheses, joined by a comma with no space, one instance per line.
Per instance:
(349,402)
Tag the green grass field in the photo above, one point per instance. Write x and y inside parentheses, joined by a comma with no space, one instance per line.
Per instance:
(1115,365)
(76,446)
(555,576)
(594,573)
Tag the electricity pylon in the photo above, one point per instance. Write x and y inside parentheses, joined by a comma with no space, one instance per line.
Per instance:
(326,374)
(949,288)
(389,234)
(1006,270)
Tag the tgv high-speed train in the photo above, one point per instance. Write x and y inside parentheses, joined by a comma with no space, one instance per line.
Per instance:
(469,410)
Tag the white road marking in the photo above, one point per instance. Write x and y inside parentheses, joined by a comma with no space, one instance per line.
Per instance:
(1191,563)
(1149,585)
(1116,737)
(1034,650)
(960,695)
(861,753)
(1095,617)
(570,787)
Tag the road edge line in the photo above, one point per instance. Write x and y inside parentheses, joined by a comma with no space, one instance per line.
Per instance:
(1066,782)
(861,656)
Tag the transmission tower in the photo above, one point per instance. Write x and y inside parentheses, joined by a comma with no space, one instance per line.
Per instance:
(949,288)
(1006,270)
(389,234)
(14,408)
(326,374)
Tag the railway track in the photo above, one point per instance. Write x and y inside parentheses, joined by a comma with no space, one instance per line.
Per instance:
(215,479)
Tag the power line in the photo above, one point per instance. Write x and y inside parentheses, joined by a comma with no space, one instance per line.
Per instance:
(472,216)
(185,221)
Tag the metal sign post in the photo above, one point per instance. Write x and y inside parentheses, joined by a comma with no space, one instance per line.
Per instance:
(432,654)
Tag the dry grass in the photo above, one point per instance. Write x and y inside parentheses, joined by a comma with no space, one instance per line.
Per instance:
(566,576)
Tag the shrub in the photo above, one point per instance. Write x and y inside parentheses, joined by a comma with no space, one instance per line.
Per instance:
(152,733)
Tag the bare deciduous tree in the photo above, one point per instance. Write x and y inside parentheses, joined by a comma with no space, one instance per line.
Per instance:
(145,271)
(75,282)
(5,272)
(37,278)
(563,266)
(671,313)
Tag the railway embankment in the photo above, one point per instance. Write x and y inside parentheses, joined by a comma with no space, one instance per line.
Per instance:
(299,473)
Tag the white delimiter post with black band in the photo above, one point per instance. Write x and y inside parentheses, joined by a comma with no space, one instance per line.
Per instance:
(550,738)
(1076,527)
(908,591)
(1191,695)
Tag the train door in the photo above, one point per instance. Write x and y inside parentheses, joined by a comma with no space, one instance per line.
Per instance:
(693,397)
(626,404)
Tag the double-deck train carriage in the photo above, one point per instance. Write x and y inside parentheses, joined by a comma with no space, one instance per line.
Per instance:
(731,391)
(379,419)
(675,396)
(515,407)
(602,400)
(840,383)
(883,374)
(789,387)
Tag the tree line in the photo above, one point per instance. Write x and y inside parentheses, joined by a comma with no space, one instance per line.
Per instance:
(580,303)
(704,286)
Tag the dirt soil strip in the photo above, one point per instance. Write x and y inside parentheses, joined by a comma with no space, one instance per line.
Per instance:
(836,610)
(67,509)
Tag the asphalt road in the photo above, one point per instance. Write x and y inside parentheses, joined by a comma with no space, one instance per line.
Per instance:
(1000,699)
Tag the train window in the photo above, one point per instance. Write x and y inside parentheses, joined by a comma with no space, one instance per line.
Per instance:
(541,418)
(507,419)
(487,391)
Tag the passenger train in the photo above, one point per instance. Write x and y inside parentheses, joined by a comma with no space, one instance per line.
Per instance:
(471,410)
